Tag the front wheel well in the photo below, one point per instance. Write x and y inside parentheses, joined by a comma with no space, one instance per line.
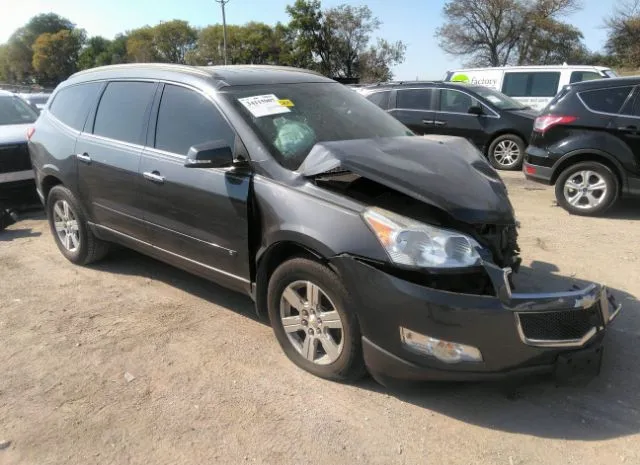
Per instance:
(587,157)
(503,132)
(271,259)
(48,183)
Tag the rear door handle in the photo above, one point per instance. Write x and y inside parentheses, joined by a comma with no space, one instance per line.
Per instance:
(84,157)
(153,176)
(440,123)
(427,121)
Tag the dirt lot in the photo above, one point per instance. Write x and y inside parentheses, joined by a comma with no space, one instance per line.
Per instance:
(211,385)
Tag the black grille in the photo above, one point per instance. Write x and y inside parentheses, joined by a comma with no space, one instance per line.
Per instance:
(14,158)
(561,325)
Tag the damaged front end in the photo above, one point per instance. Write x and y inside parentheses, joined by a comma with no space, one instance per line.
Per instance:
(443,306)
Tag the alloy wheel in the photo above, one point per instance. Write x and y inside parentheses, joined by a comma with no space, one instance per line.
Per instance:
(311,322)
(585,189)
(506,153)
(66,225)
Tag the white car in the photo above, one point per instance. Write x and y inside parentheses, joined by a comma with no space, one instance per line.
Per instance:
(16,117)
(533,86)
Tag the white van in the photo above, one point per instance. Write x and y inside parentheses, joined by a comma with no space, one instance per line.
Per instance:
(533,86)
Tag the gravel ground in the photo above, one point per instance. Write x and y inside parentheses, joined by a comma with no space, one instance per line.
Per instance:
(133,362)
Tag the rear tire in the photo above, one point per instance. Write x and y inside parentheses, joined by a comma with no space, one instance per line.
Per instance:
(70,229)
(506,152)
(330,349)
(587,189)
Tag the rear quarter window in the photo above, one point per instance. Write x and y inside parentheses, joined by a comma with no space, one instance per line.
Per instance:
(71,105)
(608,100)
(380,98)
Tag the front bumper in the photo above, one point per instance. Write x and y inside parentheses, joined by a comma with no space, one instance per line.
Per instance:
(493,324)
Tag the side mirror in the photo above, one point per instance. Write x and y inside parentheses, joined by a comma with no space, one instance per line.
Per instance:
(476,110)
(214,154)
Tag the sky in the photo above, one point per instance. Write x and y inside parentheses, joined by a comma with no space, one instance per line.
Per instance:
(412,21)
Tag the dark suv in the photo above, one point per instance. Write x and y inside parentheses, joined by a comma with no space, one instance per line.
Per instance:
(587,143)
(340,224)
(498,125)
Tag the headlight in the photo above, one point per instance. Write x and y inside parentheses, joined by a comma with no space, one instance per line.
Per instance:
(409,242)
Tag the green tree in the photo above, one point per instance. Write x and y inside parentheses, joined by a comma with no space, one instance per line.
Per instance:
(140,46)
(118,49)
(623,42)
(19,46)
(96,52)
(173,40)
(55,56)
(337,41)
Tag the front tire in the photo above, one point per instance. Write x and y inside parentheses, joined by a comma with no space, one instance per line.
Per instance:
(587,189)
(70,230)
(313,319)
(506,152)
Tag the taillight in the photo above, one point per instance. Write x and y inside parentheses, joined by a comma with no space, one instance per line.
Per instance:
(30,132)
(546,122)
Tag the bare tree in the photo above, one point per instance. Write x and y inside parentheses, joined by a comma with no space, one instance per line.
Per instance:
(499,32)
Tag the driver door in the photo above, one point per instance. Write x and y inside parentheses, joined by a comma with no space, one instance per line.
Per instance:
(196,216)
(453,117)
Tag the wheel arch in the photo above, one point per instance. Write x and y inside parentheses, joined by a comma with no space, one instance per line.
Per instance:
(503,132)
(49,181)
(592,155)
(269,258)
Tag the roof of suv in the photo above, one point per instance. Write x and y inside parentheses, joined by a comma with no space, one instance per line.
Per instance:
(233,75)
(606,82)
(413,84)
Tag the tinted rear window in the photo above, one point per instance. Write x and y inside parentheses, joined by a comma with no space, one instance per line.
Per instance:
(579,76)
(71,105)
(606,100)
(122,112)
(380,98)
(416,99)
(14,110)
(532,84)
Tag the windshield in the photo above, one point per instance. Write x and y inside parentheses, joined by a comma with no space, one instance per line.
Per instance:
(14,110)
(498,99)
(292,118)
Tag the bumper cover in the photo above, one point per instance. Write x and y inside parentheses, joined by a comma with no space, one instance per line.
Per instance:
(490,323)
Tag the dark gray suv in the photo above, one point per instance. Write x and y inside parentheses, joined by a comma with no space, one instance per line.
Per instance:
(365,245)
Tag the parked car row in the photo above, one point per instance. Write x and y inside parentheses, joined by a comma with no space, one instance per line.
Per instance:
(586,141)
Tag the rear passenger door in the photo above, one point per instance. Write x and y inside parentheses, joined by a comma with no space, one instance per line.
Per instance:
(197,216)
(627,126)
(453,117)
(108,154)
(415,108)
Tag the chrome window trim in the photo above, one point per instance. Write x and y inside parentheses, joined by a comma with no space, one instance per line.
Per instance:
(604,112)
(112,141)
(215,270)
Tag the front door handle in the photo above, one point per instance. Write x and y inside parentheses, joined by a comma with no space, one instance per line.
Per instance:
(427,121)
(153,176)
(84,157)
(440,123)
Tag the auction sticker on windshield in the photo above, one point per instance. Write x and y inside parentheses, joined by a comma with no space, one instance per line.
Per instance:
(264,105)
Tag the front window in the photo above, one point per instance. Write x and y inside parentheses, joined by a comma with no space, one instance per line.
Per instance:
(13,110)
(498,99)
(292,118)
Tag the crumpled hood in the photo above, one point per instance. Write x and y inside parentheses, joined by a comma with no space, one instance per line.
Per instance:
(13,133)
(446,172)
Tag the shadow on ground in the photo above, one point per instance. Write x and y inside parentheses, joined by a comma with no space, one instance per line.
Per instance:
(607,407)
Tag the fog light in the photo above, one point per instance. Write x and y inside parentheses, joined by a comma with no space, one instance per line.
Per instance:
(445,351)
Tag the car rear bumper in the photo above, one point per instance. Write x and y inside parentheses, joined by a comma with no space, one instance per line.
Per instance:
(516,334)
